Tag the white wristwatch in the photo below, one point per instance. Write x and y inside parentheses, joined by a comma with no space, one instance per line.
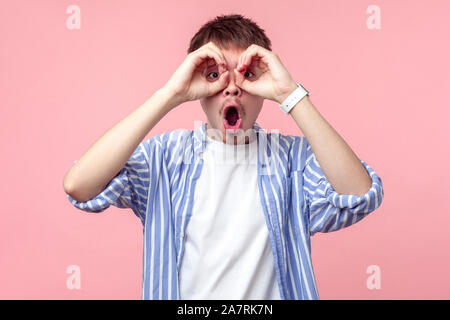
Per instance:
(293,99)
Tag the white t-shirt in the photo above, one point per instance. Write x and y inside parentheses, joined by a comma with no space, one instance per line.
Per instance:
(227,253)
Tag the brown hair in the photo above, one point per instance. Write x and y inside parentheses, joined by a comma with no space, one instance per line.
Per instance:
(230,30)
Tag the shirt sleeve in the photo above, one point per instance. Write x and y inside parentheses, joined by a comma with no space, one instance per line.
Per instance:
(128,189)
(329,210)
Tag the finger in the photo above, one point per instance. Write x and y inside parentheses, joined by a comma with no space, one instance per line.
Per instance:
(223,65)
(244,83)
(224,79)
(211,45)
(221,83)
(239,78)
(246,61)
(201,58)
(220,62)
(241,58)
(214,47)
(257,54)
(244,54)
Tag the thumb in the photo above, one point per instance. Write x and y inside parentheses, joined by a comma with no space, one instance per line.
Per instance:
(240,80)
(218,85)
(223,81)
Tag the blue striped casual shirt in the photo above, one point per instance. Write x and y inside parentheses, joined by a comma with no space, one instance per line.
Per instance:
(158,184)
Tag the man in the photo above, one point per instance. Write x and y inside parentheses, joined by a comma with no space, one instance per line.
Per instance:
(227,209)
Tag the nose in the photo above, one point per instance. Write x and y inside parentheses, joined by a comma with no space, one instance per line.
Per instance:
(232,88)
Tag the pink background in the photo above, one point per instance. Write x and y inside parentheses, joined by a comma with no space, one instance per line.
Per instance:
(385,91)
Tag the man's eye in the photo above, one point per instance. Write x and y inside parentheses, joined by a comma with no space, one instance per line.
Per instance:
(217,75)
(249,72)
(214,72)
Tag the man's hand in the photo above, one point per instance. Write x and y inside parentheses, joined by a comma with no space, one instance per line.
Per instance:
(190,81)
(272,80)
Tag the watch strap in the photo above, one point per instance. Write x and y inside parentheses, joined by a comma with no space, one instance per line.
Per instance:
(293,99)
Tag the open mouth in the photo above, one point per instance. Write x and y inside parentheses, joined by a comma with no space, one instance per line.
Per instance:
(232,119)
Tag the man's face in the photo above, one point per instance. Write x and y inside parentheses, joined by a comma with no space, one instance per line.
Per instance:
(214,106)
